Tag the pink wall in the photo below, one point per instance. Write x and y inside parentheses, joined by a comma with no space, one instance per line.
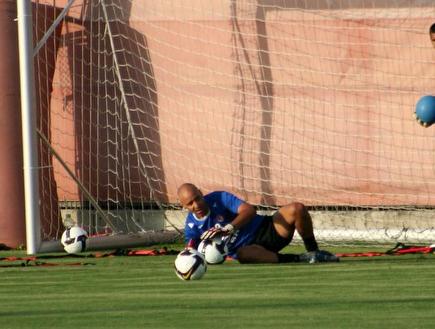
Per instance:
(334,92)
(274,103)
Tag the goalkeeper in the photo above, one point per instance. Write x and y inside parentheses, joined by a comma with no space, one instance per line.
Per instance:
(252,238)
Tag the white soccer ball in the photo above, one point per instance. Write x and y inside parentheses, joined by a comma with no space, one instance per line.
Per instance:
(190,265)
(74,240)
(215,251)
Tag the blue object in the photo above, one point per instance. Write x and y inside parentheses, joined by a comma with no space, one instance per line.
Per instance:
(223,208)
(425,110)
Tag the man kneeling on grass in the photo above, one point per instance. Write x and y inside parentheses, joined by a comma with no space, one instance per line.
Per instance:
(252,238)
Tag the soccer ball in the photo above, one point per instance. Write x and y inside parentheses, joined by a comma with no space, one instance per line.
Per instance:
(74,240)
(190,265)
(215,251)
(425,110)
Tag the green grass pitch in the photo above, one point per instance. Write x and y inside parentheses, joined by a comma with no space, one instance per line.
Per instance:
(144,292)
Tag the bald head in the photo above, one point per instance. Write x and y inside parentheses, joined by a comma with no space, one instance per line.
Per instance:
(187,188)
(191,198)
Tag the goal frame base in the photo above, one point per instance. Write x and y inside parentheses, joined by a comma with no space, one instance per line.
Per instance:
(115,241)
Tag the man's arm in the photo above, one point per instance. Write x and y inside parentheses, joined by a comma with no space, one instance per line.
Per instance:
(245,214)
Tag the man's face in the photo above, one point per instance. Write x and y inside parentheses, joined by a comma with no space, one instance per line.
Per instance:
(193,201)
(432,38)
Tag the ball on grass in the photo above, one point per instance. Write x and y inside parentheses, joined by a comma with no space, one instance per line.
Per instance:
(74,240)
(190,265)
(425,110)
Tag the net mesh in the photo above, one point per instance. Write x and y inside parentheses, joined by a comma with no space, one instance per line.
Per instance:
(275,101)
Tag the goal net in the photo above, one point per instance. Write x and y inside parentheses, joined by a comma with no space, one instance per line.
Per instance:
(273,100)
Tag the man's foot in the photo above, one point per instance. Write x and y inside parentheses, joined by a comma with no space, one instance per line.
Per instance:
(318,256)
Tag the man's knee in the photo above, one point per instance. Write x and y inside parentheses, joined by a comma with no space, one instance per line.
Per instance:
(294,210)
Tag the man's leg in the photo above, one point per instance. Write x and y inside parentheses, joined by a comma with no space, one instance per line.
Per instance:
(255,253)
(283,225)
(287,220)
(295,216)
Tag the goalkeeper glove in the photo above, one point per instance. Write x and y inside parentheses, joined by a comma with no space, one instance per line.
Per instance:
(217,232)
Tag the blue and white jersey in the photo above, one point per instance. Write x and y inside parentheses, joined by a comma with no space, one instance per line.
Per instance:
(223,209)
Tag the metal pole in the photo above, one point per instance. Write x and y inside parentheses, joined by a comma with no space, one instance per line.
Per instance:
(30,154)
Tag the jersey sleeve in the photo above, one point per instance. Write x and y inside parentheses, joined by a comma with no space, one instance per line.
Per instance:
(231,202)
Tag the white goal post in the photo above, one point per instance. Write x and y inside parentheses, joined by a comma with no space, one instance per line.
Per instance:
(275,101)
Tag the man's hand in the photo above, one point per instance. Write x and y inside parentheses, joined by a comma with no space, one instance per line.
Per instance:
(217,232)
(211,233)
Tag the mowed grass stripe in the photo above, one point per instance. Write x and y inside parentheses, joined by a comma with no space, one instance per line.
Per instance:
(143,292)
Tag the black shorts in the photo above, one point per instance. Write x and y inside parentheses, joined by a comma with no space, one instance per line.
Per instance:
(268,237)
